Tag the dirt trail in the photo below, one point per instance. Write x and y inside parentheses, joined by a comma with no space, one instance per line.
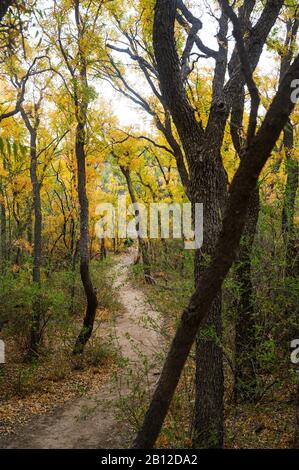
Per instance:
(90,421)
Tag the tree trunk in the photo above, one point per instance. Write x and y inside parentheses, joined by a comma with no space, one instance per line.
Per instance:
(3,233)
(81,106)
(245,360)
(288,213)
(37,314)
(75,248)
(103,251)
(36,327)
(209,392)
(245,345)
(208,425)
(90,292)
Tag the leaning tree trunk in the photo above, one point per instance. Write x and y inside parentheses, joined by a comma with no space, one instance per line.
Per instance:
(90,292)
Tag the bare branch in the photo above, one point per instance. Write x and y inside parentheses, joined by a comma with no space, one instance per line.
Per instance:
(246,68)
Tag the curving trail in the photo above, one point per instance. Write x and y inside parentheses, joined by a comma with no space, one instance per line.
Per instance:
(90,422)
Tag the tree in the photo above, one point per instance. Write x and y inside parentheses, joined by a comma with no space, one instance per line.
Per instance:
(258,150)
(194,135)
(291,160)
(75,57)
(32,127)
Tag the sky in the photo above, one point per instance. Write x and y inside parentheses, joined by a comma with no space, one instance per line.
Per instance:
(130,114)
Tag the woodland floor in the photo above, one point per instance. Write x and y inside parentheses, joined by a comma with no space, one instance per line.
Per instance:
(91,421)
(84,409)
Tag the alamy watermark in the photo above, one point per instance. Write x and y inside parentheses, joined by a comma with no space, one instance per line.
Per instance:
(295,352)
(295,93)
(156,220)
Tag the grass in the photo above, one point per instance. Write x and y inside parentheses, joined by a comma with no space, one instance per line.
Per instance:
(57,376)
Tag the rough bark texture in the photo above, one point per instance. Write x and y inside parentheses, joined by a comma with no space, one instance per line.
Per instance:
(208,424)
(210,282)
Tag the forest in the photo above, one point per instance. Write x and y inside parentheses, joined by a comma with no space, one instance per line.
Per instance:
(149,224)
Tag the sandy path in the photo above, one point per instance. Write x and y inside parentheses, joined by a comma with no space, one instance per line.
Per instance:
(90,422)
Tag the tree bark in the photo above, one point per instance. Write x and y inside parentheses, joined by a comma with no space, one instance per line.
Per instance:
(3,232)
(208,186)
(90,292)
(292,167)
(288,211)
(37,315)
(36,331)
